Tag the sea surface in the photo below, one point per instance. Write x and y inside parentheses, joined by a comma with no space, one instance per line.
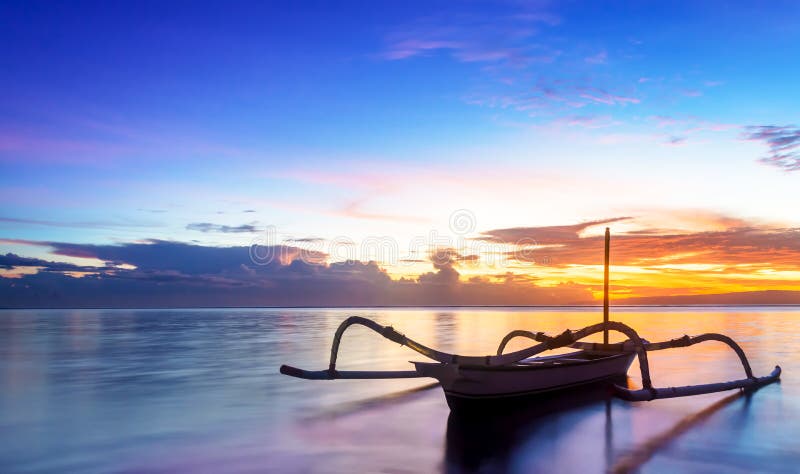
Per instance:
(110,391)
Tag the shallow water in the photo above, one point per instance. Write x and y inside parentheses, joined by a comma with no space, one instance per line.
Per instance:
(199,391)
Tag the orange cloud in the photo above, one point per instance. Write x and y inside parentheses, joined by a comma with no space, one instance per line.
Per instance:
(701,258)
(739,256)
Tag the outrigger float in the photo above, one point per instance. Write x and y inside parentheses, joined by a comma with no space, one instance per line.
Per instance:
(522,373)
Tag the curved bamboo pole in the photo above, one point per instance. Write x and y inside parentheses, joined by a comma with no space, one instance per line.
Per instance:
(628,346)
(564,339)
(389,333)
(536,336)
(686,341)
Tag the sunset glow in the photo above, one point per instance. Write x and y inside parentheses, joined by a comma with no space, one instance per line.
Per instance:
(399,155)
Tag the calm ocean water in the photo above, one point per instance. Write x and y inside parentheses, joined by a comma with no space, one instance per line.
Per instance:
(199,391)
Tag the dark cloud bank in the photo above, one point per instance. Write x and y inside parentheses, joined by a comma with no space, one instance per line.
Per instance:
(183,275)
(178,274)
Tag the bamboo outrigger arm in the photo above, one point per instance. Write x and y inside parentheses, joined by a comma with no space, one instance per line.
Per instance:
(648,392)
(629,346)
(564,339)
(750,382)
(688,390)
(389,333)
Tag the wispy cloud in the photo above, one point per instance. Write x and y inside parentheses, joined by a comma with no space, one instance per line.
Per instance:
(79,224)
(546,235)
(416,47)
(16,146)
(587,121)
(507,45)
(676,140)
(783,143)
(472,37)
(354,209)
(306,240)
(10,261)
(555,97)
(599,58)
(225,229)
(664,120)
(601,96)
(682,127)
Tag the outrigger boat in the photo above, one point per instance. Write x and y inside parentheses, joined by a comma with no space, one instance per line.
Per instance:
(523,373)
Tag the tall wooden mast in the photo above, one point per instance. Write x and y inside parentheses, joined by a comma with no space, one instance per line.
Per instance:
(605,285)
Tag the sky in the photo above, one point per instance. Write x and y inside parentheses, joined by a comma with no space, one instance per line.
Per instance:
(398,153)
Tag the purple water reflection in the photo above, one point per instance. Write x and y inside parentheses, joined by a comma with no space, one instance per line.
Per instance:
(198,391)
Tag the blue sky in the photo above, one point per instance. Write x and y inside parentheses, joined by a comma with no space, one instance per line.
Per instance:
(122,123)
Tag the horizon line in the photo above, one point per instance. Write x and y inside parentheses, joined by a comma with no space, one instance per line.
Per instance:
(599,306)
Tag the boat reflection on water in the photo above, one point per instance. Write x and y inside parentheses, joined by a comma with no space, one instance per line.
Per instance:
(572,431)
(489,436)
